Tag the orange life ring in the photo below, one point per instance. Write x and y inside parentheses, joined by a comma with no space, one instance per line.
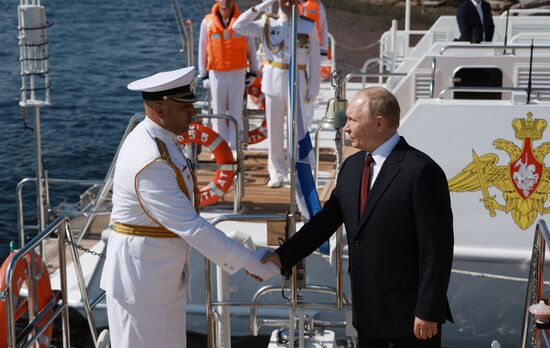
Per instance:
(43,296)
(200,134)
(259,134)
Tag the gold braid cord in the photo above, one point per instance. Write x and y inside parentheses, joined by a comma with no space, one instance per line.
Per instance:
(165,155)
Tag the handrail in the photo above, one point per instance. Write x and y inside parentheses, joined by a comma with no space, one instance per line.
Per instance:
(432,82)
(490,47)
(353,74)
(535,286)
(489,89)
(532,35)
(11,300)
(255,304)
(238,193)
(525,11)
(20,209)
(255,325)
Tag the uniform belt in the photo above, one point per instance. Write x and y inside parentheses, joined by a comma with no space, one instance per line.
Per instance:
(144,231)
(284,66)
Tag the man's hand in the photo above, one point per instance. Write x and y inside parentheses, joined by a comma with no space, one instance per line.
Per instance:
(262,270)
(273,257)
(423,329)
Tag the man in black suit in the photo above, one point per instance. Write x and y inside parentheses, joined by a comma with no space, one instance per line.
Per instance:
(400,241)
(475,21)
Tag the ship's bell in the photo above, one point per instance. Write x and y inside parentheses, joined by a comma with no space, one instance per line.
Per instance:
(335,115)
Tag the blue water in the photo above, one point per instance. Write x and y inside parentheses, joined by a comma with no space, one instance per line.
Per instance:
(95,49)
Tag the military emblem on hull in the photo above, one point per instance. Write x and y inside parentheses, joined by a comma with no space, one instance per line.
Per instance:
(524,182)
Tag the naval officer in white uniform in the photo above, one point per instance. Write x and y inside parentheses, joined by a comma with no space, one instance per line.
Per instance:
(276,34)
(156,223)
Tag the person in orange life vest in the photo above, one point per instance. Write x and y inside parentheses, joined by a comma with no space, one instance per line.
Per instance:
(223,55)
(275,31)
(314,10)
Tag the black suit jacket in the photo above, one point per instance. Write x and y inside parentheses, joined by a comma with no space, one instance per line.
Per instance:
(400,249)
(470,25)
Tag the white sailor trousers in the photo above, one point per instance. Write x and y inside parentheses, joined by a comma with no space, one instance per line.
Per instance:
(227,90)
(146,326)
(276,107)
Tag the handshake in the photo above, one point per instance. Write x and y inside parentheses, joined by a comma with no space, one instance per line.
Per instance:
(263,264)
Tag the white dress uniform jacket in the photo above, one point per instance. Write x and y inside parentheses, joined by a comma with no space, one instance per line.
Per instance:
(146,278)
(277,56)
(226,87)
(274,80)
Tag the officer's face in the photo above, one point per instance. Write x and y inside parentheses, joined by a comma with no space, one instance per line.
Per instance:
(225,4)
(286,6)
(363,130)
(177,116)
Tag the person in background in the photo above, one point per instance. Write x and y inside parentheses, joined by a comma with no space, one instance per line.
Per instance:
(156,223)
(315,11)
(275,32)
(223,55)
(475,21)
(394,201)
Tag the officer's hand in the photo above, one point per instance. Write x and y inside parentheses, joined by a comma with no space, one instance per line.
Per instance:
(206,83)
(273,257)
(307,100)
(424,329)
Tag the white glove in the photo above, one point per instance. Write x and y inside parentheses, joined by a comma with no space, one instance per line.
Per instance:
(263,271)
(206,83)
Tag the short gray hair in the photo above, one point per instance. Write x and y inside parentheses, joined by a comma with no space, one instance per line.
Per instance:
(380,101)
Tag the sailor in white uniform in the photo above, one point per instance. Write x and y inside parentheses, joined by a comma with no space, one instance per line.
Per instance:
(156,223)
(276,35)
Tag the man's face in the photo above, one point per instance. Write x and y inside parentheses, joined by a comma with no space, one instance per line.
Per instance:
(286,6)
(177,116)
(225,4)
(362,129)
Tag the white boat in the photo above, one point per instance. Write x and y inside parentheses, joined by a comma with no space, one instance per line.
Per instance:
(493,245)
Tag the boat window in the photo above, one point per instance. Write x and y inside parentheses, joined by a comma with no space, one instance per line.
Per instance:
(477,77)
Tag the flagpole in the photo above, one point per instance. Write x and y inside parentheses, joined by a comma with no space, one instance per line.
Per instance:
(291,127)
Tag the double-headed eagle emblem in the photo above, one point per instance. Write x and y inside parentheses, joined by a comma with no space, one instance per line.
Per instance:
(524,182)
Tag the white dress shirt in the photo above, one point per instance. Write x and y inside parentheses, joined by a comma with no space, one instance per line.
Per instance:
(479,10)
(379,156)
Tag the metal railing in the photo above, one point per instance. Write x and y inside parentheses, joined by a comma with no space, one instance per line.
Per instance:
(525,11)
(354,74)
(490,47)
(490,90)
(237,167)
(39,321)
(214,316)
(535,285)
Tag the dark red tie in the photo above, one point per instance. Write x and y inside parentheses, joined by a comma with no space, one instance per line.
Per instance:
(365,179)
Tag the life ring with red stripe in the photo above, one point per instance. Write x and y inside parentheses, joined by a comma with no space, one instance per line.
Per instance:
(254,89)
(258,134)
(42,297)
(200,134)
(326,65)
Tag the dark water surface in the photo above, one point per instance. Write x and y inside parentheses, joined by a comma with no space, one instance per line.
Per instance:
(95,49)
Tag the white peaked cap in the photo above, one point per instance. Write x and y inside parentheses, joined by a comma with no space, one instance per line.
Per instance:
(175,83)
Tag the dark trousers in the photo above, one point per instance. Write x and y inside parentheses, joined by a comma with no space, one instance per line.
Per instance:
(375,342)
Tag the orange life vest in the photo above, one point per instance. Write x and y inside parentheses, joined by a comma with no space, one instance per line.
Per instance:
(311,9)
(226,48)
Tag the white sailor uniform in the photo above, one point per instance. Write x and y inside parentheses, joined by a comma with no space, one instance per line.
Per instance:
(276,35)
(146,278)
